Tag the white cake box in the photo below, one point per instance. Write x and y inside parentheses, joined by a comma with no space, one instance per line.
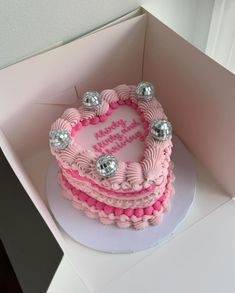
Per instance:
(198,97)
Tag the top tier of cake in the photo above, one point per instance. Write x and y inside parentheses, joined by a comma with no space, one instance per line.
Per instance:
(121,127)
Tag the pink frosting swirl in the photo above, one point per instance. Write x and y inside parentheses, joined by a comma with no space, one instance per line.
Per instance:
(91,214)
(166,145)
(122,224)
(102,109)
(123,91)
(86,114)
(72,116)
(152,164)
(156,219)
(120,175)
(140,225)
(135,174)
(152,110)
(166,150)
(106,220)
(150,142)
(154,113)
(84,160)
(61,124)
(78,205)
(132,93)
(69,154)
(144,105)
(110,96)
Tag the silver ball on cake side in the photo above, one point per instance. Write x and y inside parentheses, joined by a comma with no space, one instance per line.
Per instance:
(91,100)
(145,91)
(59,138)
(106,165)
(161,129)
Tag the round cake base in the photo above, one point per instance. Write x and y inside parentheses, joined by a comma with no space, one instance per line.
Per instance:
(109,238)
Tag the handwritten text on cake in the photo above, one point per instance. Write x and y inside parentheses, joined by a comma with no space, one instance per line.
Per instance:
(110,142)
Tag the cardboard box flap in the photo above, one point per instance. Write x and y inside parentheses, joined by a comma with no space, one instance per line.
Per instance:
(198,96)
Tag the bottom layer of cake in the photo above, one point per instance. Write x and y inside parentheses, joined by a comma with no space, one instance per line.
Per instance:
(138,218)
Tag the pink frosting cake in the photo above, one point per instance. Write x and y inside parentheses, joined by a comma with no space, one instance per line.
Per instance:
(114,158)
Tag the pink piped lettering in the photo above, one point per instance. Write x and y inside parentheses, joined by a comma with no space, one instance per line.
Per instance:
(110,142)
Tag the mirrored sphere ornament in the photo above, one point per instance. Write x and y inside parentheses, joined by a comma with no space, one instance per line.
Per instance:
(161,129)
(144,91)
(91,100)
(106,165)
(59,138)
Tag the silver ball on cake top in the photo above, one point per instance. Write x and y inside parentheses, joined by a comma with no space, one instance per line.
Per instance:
(106,165)
(144,91)
(161,129)
(91,100)
(59,138)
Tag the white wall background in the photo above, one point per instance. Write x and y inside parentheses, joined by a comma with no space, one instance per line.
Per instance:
(28,27)
(221,38)
(189,18)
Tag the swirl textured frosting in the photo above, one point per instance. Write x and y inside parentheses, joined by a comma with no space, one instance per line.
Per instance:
(119,177)
(70,153)
(132,94)
(110,96)
(86,114)
(152,163)
(152,110)
(102,109)
(154,113)
(72,115)
(135,174)
(150,142)
(61,124)
(123,91)
(145,106)
(85,160)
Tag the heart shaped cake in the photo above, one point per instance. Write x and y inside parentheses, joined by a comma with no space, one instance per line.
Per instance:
(113,154)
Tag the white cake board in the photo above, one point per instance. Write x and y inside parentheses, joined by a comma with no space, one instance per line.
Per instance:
(109,238)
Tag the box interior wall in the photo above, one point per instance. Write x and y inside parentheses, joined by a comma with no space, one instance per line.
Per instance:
(36,91)
(195,92)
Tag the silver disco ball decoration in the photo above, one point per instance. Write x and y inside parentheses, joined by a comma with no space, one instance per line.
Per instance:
(144,91)
(106,165)
(91,100)
(161,129)
(59,138)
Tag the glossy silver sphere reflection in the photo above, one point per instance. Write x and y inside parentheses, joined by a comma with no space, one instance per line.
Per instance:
(106,165)
(91,100)
(59,138)
(161,129)
(144,91)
